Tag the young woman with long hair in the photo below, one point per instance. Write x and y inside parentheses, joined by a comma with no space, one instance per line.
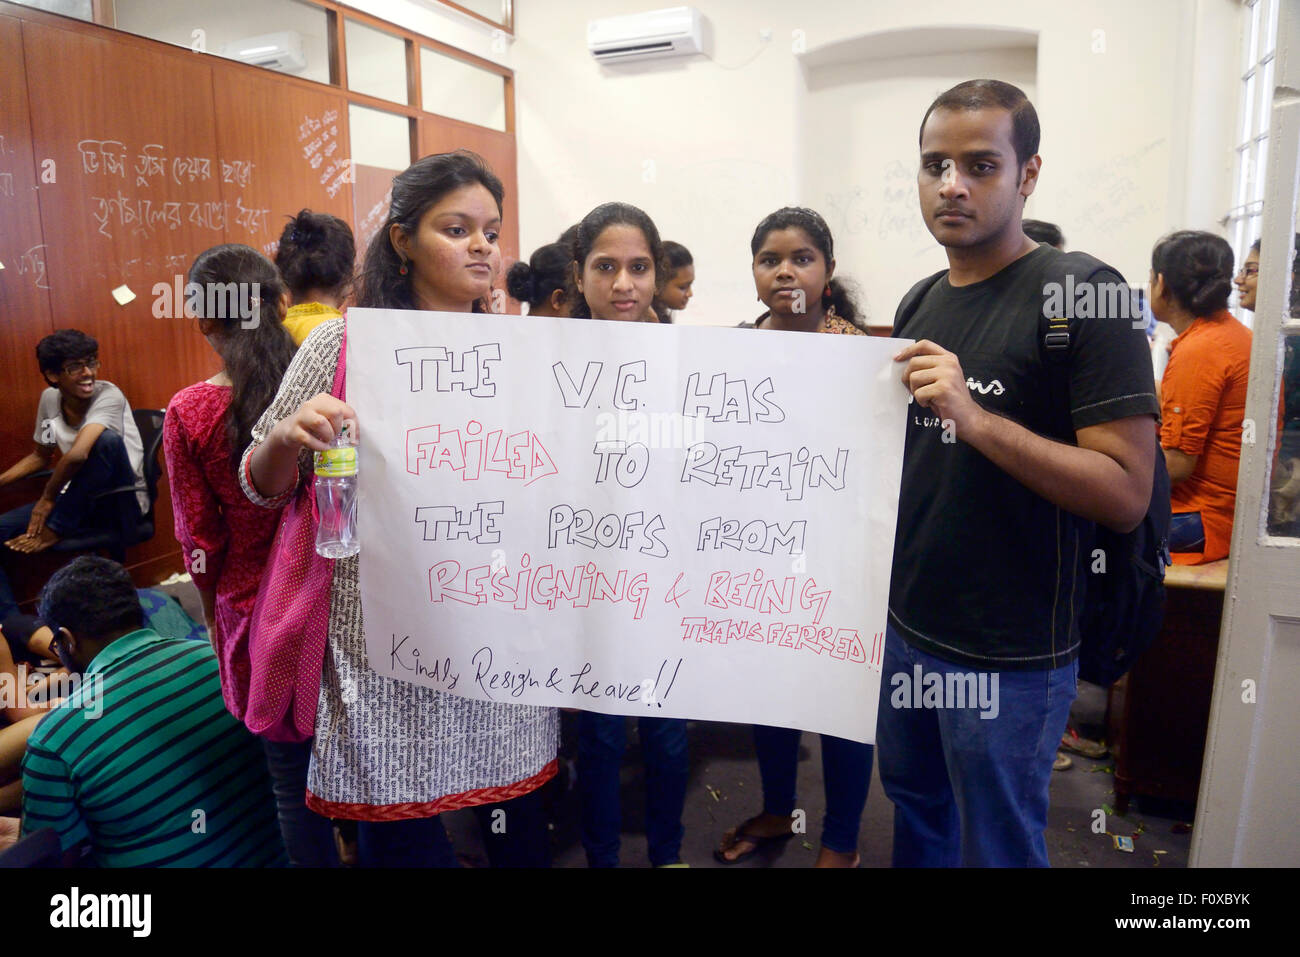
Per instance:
(225,540)
(794,265)
(391,754)
(615,252)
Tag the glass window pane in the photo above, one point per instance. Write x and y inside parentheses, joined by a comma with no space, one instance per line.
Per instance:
(1284,485)
(462,91)
(1248,174)
(1253,55)
(80,9)
(1246,60)
(1269,42)
(1240,184)
(281,35)
(376,63)
(1263,97)
(494,10)
(1261,167)
(1247,110)
(379,139)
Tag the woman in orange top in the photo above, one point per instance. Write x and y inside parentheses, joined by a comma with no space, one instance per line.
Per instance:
(1203,392)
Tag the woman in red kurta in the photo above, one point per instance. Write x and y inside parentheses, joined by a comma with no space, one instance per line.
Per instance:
(225,538)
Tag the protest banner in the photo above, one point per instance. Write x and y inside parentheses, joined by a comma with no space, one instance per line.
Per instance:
(692,522)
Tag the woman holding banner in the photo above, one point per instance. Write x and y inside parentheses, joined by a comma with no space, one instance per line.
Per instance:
(390,754)
(793,266)
(615,250)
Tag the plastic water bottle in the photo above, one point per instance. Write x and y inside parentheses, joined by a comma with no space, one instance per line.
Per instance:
(336,498)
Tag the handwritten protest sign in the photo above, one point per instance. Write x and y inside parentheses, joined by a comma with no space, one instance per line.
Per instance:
(626,517)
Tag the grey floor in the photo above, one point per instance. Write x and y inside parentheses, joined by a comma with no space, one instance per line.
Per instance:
(724,790)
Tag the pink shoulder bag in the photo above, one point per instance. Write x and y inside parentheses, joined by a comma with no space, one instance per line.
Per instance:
(290,624)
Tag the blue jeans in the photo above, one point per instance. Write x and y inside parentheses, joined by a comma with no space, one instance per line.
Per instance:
(846,770)
(1186,532)
(970,790)
(418,842)
(308,837)
(514,834)
(602,739)
(76,511)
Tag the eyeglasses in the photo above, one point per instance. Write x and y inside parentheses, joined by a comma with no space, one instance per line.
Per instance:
(1249,270)
(76,365)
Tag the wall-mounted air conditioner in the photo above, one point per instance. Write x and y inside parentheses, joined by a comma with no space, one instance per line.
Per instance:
(642,36)
(274,51)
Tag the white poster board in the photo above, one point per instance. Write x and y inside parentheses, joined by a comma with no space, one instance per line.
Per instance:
(631,518)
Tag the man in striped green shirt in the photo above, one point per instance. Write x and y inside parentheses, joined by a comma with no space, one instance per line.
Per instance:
(142,764)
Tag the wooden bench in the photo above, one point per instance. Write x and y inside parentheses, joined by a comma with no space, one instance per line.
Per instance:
(1159,712)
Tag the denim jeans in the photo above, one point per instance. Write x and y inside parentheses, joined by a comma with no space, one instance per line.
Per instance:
(308,837)
(75,510)
(846,771)
(418,842)
(970,790)
(1186,532)
(514,834)
(602,739)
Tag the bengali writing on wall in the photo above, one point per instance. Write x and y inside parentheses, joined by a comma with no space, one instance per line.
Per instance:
(30,263)
(628,518)
(138,189)
(121,170)
(318,137)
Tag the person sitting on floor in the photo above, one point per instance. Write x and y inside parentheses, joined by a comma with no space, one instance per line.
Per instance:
(141,763)
(90,423)
(25,696)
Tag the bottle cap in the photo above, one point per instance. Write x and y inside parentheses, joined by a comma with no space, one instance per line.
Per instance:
(336,462)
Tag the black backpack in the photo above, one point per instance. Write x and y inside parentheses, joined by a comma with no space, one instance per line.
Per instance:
(1124,604)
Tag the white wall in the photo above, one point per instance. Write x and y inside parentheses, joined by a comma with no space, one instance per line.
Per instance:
(1137,103)
(1120,149)
(864,112)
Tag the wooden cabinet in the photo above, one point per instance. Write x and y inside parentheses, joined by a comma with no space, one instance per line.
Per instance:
(1159,711)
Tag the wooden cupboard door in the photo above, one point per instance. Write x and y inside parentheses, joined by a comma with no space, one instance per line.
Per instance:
(24,280)
(284,148)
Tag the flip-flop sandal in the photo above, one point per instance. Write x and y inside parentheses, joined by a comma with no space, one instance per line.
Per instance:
(738,834)
(1089,749)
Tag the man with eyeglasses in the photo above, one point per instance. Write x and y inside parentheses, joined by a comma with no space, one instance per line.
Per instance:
(89,422)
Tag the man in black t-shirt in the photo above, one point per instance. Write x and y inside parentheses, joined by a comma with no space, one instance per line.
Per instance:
(1003,476)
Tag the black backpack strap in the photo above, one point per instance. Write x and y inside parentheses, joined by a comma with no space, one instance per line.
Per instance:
(1065,273)
(907,308)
